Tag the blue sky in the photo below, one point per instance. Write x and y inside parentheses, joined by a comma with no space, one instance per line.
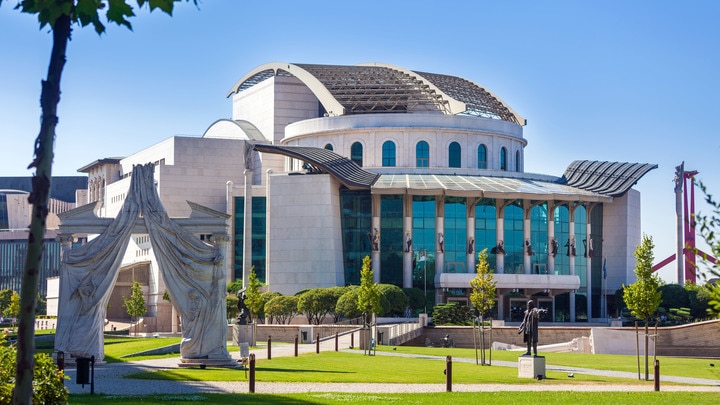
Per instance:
(599,80)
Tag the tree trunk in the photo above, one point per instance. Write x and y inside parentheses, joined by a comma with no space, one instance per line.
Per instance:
(647,321)
(49,99)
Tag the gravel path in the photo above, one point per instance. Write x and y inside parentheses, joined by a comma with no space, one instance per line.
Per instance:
(109,379)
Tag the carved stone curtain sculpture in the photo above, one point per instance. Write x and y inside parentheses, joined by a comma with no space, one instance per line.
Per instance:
(191,269)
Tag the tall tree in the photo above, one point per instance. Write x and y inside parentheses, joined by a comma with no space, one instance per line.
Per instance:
(59,16)
(253,296)
(135,305)
(642,297)
(369,293)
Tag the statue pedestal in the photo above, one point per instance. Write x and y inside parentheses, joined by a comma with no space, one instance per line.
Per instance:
(531,366)
(243,334)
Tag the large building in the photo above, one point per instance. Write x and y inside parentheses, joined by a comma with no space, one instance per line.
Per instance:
(320,166)
(15,214)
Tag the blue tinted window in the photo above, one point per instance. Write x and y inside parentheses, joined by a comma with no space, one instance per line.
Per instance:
(422,154)
(454,152)
(388,154)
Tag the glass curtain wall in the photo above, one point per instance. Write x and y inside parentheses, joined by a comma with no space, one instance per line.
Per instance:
(486,230)
(513,238)
(581,314)
(598,276)
(562,233)
(455,234)
(391,239)
(539,239)
(259,237)
(424,235)
(356,222)
(239,225)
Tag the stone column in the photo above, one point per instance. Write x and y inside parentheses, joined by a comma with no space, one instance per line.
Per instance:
(551,236)
(375,234)
(499,232)
(527,259)
(470,239)
(228,251)
(571,257)
(439,247)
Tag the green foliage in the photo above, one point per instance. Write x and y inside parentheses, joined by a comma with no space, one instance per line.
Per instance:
(166,296)
(673,296)
(397,300)
(483,285)
(267,296)
(231,303)
(642,297)
(282,308)
(369,294)
(452,314)
(336,293)
(41,305)
(416,298)
(135,306)
(14,308)
(234,287)
(5,296)
(253,298)
(347,304)
(48,387)
(317,303)
(709,226)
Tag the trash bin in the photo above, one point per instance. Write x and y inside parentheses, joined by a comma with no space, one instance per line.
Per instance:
(83,370)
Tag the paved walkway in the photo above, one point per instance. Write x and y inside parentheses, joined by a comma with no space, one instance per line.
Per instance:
(109,378)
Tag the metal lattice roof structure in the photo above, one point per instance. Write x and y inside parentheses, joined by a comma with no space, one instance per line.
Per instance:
(609,178)
(319,160)
(482,187)
(382,88)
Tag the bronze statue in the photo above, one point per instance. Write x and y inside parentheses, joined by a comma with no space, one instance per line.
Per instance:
(244,316)
(529,326)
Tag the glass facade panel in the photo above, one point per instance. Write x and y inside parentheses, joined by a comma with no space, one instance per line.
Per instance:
(388,154)
(513,238)
(356,153)
(486,230)
(580,245)
(4,222)
(562,233)
(422,154)
(424,236)
(258,236)
(539,239)
(13,254)
(391,239)
(455,235)
(329,146)
(517,161)
(598,280)
(482,157)
(454,154)
(356,220)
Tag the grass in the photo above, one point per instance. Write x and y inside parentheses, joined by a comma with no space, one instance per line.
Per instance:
(439,398)
(117,347)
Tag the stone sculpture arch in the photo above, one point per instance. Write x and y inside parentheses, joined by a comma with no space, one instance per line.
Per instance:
(192,269)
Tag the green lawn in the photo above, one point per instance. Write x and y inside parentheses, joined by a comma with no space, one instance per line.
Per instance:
(440,398)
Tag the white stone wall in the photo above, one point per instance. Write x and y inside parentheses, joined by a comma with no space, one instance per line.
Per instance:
(621,235)
(406,130)
(304,239)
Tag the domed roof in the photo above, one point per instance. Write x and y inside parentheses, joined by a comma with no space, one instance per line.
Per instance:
(381,88)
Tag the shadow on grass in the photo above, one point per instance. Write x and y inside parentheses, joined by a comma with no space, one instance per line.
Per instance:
(218,399)
(300,370)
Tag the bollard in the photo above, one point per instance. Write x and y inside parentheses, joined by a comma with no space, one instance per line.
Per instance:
(336,341)
(269,348)
(296,346)
(657,375)
(317,344)
(352,340)
(61,363)
(448,374)
(251,379)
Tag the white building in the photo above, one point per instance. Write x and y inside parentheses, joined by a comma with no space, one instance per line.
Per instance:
(320,166)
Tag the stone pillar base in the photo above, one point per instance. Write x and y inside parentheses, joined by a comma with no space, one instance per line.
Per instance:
(531,366)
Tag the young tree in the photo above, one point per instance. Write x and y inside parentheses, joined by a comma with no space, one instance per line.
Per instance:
(483,285)
(369,294)
(5,296)
(253,297)
(14,308)
(135,306)
(642,297)
(59,16)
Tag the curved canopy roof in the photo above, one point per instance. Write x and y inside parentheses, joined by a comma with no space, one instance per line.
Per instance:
(609,178)
(320,160)
(381,88)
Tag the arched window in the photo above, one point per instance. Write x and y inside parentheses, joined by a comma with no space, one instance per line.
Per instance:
(454,155)
(356,153)
(329,147)
(482,157)
(503,158)
(422,154)
(517,160)
(388,154)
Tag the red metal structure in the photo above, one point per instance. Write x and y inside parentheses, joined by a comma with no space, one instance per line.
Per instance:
(686,236)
